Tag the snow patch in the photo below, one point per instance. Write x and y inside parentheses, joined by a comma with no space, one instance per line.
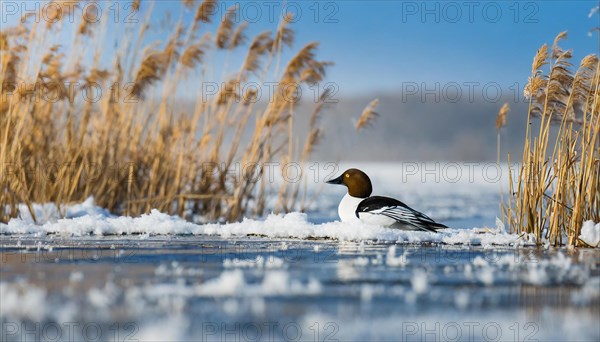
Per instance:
(22,301)
(88,219)
(49,212)
(419,281)
(258,262)
(590,233)
(393,260)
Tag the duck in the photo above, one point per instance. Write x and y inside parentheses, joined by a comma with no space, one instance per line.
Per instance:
(359,206)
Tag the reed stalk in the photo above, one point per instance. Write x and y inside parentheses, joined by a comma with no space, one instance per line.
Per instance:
(557,182)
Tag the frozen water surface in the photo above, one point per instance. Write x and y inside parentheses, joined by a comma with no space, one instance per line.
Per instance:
(207,288)
(296,277)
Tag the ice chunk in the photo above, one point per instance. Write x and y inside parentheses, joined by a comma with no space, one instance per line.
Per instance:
(590,233)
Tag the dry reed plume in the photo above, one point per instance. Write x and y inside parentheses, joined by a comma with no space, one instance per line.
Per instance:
(557,186)
(501,122)
(368,116)
(138,148)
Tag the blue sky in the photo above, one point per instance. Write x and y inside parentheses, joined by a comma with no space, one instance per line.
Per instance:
(379,46)
(382,45)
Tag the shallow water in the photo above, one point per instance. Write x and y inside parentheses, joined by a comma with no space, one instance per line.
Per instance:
(215,289)
(61,286)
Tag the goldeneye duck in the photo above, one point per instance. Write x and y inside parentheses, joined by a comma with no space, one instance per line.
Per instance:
(358,204)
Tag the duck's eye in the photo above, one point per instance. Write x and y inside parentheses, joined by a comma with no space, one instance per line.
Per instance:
(347,175)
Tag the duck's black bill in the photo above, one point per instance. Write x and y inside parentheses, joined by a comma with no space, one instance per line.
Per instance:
(335,180)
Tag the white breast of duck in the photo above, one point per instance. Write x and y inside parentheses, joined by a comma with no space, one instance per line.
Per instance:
(347,208)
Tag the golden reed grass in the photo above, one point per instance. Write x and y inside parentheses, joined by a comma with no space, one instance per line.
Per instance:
(368,116)
(557,185)
(150,152)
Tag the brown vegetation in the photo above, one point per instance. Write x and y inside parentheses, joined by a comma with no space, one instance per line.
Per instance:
(138,149)
(557,186)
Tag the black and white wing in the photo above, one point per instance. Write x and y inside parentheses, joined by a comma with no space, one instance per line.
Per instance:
(398,211)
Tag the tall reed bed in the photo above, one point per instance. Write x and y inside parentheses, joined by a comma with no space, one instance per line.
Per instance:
(137,148)
(557,185)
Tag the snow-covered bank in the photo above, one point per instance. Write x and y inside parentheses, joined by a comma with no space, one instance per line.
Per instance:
(87,219)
